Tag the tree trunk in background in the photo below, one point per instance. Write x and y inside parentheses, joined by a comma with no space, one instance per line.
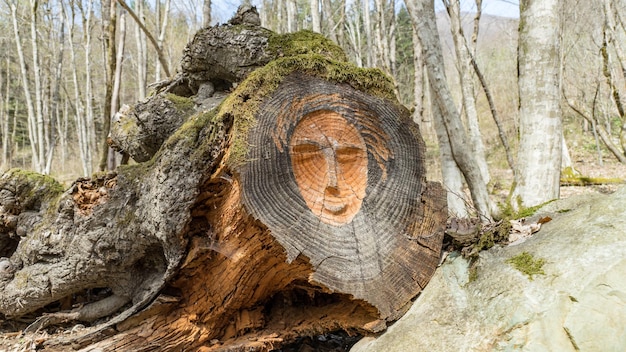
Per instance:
(328,17)
(341,24)
(539,156)
(142,52)
(479,11)
(465,70)
(353,29)
(90,127)
(316,21)
(56,97)
(612,38)
(423,16)
(206,13)
(391,40)
(381,32)
(40,128)
(418,82)
(110,45)
(32,118)
(292,16)
(79,110)
(161,29)
(367,31)
(7,141)
(450,173)
(117,82)
(147,33)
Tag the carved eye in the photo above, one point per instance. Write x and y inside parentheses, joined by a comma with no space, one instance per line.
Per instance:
(306,148)
(348,154)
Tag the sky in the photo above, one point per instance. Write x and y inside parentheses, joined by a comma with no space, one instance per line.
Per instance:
(224,9)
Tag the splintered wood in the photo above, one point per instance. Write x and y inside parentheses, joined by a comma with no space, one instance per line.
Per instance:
(88,193)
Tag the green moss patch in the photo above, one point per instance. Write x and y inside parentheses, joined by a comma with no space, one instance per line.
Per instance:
(245,101)
(589,181)
(527,264)
(304,42)
(34,186)
(183,104)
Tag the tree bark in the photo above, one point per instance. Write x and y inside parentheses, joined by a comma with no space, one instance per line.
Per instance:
(539,157)
(227,238)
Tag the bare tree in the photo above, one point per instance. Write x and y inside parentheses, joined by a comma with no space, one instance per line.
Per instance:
(153,41)
(465,69)
(353,28)
(423,15)
(539,156)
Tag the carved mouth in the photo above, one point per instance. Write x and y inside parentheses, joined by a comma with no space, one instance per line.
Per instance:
(335,209)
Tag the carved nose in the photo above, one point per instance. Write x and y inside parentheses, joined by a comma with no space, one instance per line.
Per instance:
(331,164)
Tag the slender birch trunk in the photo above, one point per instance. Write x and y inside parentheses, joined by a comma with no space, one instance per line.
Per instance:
(90,127)
(418,81)
(316,22)
(56,96)
(32,119)
(367,31)
(40,129)
(142,53)
(292,16)
(161,30)
(79,110)
(467,86)
(117,82)
(354,36)
(109,27)
(329,21)
(206,13)
(6,138)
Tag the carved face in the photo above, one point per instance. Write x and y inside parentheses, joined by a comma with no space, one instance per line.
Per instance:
(329,161)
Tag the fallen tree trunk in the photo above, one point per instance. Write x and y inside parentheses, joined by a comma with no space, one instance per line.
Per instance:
(296,207)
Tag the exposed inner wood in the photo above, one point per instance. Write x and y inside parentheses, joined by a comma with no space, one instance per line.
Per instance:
(236,287)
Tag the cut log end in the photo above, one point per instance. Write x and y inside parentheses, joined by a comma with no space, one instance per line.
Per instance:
(337,176)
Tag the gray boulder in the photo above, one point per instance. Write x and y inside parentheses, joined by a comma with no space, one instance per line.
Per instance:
(578,304)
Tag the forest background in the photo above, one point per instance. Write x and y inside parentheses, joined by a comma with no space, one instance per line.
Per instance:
(66,66)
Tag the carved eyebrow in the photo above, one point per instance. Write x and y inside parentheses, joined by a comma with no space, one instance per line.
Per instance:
(308,141)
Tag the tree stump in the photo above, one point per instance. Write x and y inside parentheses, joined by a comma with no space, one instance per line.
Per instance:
(296,207)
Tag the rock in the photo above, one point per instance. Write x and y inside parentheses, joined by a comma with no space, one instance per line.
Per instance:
(579,304)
